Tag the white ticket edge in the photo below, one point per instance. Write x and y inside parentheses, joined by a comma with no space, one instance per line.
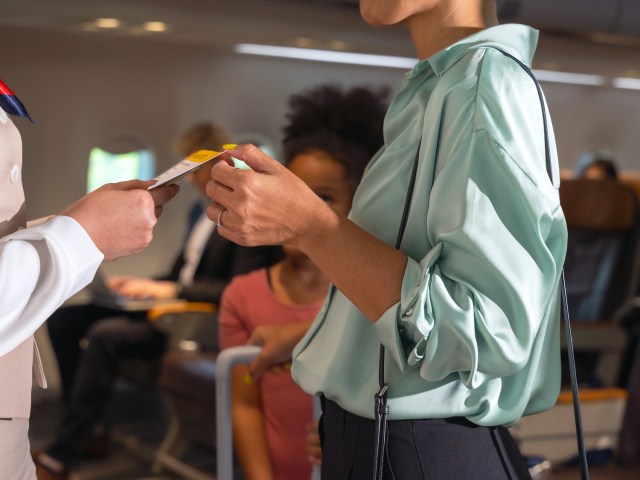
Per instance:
(183,167)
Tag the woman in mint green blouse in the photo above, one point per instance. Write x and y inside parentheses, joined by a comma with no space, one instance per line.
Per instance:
(468,307)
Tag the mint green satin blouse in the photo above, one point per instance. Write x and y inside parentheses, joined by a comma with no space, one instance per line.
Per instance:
(476,332)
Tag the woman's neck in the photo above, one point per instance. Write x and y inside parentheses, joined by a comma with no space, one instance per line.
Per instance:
(298,281)
(435,29)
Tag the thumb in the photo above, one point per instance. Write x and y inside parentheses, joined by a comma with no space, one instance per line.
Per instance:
(255,339)
(256,159)
(258,366)
(128,185)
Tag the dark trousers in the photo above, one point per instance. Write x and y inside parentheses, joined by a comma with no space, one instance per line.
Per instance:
(88,374)
(68,327)
(435,449)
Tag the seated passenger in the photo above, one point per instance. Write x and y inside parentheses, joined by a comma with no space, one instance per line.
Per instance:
(599,167)
(201,271)
(330,136)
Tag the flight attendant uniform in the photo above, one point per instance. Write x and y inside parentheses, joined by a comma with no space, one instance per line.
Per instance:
(40,268)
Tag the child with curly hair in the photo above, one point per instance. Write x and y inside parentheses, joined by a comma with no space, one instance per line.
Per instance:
(330,136)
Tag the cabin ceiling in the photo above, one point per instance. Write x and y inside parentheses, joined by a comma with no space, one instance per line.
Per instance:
(216,23)
(325,24)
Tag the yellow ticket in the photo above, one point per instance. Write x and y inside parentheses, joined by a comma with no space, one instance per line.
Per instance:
(186,166)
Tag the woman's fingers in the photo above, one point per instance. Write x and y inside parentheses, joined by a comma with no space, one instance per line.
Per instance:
(267,205)
(255,158)
(215,211)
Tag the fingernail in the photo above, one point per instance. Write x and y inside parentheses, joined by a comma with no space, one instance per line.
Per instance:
(229,146)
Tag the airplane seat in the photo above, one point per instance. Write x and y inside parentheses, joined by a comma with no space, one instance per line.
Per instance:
(188,382)
(188,326)
(142,373)
(629,439)
(187,379)
(601,270)
(632,180)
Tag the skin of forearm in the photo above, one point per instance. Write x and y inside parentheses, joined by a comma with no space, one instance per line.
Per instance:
(250,444)
(368,271)
(249,435)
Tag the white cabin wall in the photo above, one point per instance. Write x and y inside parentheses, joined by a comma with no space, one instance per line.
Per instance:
(83,88)
(80,90)
(588,117)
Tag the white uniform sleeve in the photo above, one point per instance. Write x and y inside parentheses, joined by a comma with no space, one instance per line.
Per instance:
(40,267)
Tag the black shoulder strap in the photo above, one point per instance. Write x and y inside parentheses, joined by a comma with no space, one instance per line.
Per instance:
(381,406)
(582,454)
(381,397)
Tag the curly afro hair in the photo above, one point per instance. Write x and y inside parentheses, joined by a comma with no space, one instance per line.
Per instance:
(344,124)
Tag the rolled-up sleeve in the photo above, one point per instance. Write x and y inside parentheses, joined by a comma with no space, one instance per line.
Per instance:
(40,267)
(474,303)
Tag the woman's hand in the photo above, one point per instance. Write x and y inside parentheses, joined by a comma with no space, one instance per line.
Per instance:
(120,217)
(267,205)
(271,206)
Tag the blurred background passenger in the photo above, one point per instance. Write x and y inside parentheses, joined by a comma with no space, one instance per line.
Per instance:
(91,340)
(600,170)
(330,136)
(597,165)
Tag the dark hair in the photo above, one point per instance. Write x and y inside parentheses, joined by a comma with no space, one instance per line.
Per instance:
(344,124)
(606,166)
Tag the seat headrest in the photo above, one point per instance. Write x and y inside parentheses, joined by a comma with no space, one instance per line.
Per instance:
(598,204)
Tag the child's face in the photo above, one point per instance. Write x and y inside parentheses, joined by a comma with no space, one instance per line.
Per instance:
(326,177)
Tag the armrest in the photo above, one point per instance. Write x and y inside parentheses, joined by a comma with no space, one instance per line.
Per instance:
(180,307)
(225,362)
(608,339)
(601,336)
(187,325)
(593,395)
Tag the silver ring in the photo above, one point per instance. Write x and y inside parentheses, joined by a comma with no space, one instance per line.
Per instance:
(219,221)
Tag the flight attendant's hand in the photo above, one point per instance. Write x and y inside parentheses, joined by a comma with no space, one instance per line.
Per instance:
(119,217)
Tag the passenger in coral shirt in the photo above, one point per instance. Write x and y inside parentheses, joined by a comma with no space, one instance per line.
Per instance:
(328,151)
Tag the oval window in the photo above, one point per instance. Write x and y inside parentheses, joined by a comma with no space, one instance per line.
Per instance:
(119,158)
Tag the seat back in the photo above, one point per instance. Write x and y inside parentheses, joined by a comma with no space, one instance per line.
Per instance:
(632,180)
(629,441)
(602,251)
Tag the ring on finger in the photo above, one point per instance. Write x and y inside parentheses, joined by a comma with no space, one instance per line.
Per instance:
(219,220)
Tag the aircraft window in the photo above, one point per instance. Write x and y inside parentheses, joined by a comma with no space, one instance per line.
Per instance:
(113,163)
(263,142)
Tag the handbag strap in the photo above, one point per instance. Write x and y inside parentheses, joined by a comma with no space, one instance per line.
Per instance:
(381,397)
(403,225)
(564,312)
(381,404)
